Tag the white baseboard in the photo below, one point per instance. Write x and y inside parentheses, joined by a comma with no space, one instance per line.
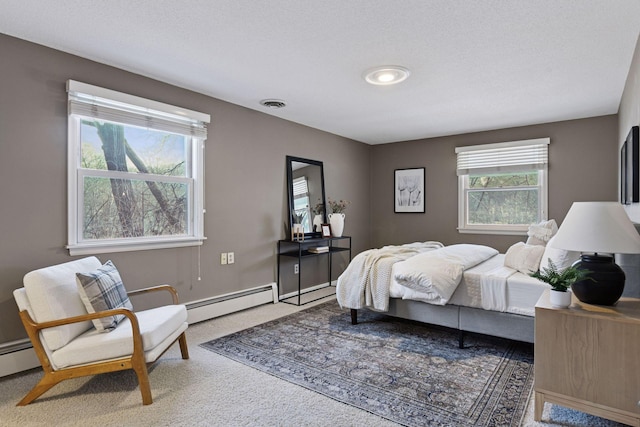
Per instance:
(17,356)
(309,289)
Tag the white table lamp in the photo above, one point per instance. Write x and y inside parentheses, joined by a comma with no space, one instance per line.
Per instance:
(598,230)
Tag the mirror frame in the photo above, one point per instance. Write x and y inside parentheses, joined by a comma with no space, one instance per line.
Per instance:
(290,160)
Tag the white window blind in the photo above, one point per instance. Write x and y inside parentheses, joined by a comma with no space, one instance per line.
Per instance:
(109,105)
(300,187)
(503,157)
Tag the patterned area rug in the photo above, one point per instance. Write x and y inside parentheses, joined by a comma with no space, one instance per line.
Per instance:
(406,372)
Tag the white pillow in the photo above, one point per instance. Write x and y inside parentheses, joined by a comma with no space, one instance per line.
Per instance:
(541,233)
(524,258)
(560,257)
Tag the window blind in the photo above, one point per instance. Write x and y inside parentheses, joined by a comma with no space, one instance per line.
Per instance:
(104,104)
(300,187)
(515,156)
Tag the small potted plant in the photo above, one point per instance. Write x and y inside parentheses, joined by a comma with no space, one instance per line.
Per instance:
(298,216)
(297,229)
(318,211)
(560,282)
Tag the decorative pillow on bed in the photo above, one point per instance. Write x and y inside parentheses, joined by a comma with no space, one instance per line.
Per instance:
(100,290)
(524,258)
(541,233)
(560,257)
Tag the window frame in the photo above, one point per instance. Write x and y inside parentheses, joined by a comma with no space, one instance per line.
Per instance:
(503,229)
(303,195)
(140,109)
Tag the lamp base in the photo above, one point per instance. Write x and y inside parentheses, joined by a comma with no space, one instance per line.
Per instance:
(605,283)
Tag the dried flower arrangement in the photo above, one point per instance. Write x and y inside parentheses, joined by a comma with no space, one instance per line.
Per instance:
(338,206)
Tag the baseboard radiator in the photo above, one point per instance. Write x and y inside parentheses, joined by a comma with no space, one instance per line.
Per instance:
(17,356)
(210,308)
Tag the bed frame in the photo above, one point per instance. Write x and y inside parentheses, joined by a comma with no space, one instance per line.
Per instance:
(464,319)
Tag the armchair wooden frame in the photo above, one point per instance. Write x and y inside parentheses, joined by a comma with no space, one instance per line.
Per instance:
(136,361)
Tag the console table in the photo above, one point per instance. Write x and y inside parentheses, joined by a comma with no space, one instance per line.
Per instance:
(587,357)
(300,251)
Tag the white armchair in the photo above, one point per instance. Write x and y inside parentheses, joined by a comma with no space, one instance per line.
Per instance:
(68,344)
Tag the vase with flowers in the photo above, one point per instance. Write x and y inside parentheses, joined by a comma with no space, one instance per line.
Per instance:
(336,217)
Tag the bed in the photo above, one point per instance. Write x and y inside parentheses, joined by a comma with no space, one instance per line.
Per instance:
(482,294)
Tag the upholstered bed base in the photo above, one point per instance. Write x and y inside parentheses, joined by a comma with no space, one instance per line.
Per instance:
(464,319)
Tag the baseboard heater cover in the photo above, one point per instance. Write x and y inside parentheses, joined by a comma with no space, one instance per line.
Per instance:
(210,308)
(17,356)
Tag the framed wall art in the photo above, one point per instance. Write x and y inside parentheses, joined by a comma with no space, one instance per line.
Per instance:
(408,190)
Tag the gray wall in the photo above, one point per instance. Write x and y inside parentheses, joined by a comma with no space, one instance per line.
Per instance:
(628,116)
(629,112)
(245,181)
(247,148)
(582,166)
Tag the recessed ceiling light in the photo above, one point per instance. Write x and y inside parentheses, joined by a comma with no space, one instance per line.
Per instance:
(386,75)
(273,103)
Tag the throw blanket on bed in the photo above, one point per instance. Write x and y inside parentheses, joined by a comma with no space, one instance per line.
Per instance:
(366,280)
(493,287)
(436,274)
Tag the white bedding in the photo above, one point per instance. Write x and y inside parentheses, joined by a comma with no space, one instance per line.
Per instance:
(435,275)
(366,280)
(521,292)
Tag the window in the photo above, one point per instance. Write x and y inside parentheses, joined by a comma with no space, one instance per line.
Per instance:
(502,188)
(135,172)
(301,201)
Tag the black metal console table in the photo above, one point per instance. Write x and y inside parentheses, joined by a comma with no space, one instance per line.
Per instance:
(301,250)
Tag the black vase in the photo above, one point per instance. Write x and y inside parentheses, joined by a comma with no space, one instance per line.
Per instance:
(604,284)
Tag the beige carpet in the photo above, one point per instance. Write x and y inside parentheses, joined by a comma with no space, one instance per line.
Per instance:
(207,390)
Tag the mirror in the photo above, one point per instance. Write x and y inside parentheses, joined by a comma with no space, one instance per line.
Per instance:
(305,181)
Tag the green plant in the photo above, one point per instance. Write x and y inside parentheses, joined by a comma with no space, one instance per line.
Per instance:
(299,215)
(338,206)
(561,280)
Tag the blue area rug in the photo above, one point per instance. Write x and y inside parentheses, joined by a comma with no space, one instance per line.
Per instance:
(406,372)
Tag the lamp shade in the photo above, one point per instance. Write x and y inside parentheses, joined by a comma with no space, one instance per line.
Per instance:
(598,227)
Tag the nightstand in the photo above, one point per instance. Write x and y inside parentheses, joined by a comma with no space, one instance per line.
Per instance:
(587,357)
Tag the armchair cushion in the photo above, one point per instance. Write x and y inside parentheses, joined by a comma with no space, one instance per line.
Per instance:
(100,290)
(156,326)
(53,294)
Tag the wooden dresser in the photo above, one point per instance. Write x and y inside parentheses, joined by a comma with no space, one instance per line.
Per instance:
(587,357)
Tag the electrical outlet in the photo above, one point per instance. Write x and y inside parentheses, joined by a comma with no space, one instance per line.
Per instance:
(296,269)
(231,258)
(223,258)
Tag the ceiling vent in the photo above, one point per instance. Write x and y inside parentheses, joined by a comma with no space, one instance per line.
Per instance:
(273,103)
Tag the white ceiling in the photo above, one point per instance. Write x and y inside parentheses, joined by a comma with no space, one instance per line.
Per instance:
(475,65)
